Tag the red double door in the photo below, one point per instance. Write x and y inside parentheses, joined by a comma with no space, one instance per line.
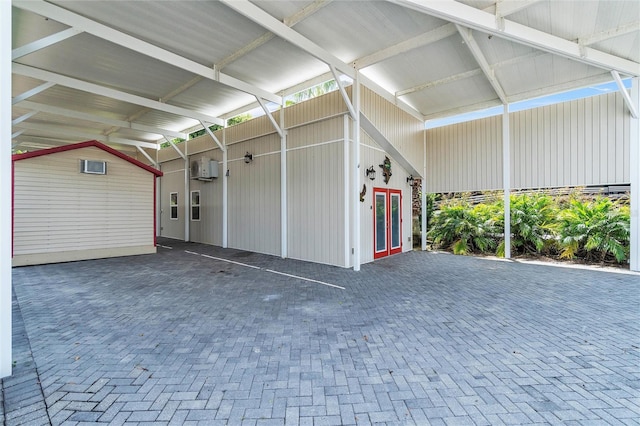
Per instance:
(387,222)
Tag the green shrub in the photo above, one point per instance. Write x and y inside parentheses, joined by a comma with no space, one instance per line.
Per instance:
(464,229)
(595,230)
(533,223)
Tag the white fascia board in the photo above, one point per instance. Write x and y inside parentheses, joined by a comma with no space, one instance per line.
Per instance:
(97,119)
(262,18)
(77,135)
(85,86)
(34,46)
(114,36)
(476,19)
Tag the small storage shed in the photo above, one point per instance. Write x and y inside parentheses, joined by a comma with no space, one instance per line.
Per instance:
(81,201)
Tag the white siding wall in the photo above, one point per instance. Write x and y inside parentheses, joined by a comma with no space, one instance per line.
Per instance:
(581,142)
(208,229)
(172,181)
(62,214)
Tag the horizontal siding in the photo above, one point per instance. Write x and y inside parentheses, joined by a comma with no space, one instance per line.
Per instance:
(57,208)
(328,105)
(576,143)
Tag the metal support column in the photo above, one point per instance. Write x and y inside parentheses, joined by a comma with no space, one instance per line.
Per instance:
(283,187)
(506,181)
(355,173)
(6,236)
(423,189)
(634,159)
(225,190)
(187,209)
(346,190)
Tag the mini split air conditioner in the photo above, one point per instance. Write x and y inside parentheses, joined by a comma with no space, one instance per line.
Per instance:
(204,169)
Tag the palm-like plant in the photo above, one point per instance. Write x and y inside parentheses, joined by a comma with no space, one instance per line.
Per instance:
(533,225)
(462,228)
(598,228)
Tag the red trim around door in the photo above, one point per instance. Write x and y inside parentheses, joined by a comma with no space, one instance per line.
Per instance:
(383,243)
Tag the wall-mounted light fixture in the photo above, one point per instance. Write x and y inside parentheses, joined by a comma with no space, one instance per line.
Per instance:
(410,179)
(371,173)
(248,157)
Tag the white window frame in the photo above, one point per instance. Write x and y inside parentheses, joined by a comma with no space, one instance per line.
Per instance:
(173,207)
(196,205)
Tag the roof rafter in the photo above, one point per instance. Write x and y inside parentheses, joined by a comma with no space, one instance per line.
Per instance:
(506,8)
(114,36)
(471,17)
(85,86)
(606,35)
(37,107)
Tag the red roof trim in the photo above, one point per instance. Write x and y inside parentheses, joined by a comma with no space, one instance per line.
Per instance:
(63,148)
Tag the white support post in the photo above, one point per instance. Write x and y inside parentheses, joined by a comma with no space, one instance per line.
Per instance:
(355,169)
(225,190)
(283,187)
(187,196)
(346,190)
(423,188)
(6,236)
(634,159)
(506,181)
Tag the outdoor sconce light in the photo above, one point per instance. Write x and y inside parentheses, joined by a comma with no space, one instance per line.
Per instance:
(371,173)
(248,157)
(410,179)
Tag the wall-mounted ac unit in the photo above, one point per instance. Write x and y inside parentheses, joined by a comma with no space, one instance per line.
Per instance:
(204,169)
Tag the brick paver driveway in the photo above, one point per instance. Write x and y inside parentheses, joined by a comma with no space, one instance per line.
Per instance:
(420,338)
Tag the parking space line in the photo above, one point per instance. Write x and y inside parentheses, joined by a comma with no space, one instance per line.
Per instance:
(266,270)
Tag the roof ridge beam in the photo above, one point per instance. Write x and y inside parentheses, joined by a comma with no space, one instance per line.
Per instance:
(85,86)
(125,40)
(476,19)
(471,43)
(34,46)
(121,124)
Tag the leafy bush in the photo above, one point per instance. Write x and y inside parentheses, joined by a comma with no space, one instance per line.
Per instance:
(595,230)
(462,228)
(533,223)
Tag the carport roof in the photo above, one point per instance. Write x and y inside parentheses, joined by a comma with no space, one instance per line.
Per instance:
(130,73)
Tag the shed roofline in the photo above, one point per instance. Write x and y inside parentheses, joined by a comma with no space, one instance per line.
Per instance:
(93,143)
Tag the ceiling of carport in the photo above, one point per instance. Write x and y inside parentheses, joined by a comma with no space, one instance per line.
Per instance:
(131,72)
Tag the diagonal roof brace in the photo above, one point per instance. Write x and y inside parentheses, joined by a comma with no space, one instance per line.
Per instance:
(471,43)
(214,137)
(173,145)
(268,113)
(625,94)
(32,92)
(347,101)
(147,156)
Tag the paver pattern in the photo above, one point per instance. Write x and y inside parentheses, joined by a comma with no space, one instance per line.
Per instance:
(416,339)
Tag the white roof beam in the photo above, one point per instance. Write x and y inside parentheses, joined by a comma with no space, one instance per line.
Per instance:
(343,93)
(625,94)
(471,43)
(471,17)
(99,30)
(120,124)
(80,135)
(605,35)
(32,92)
(509,7)
(85,86)
(34,46)
(173,145)
(262,18)
(450,79)
(17,133)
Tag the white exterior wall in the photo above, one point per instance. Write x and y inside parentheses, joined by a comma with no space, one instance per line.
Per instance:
(576,143)
(172,181)
(209,230)
(62,215)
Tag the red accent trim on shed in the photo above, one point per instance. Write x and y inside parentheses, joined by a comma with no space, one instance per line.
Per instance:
(63,148)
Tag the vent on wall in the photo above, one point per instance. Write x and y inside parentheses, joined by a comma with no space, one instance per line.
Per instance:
(93,167)
(204,169)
